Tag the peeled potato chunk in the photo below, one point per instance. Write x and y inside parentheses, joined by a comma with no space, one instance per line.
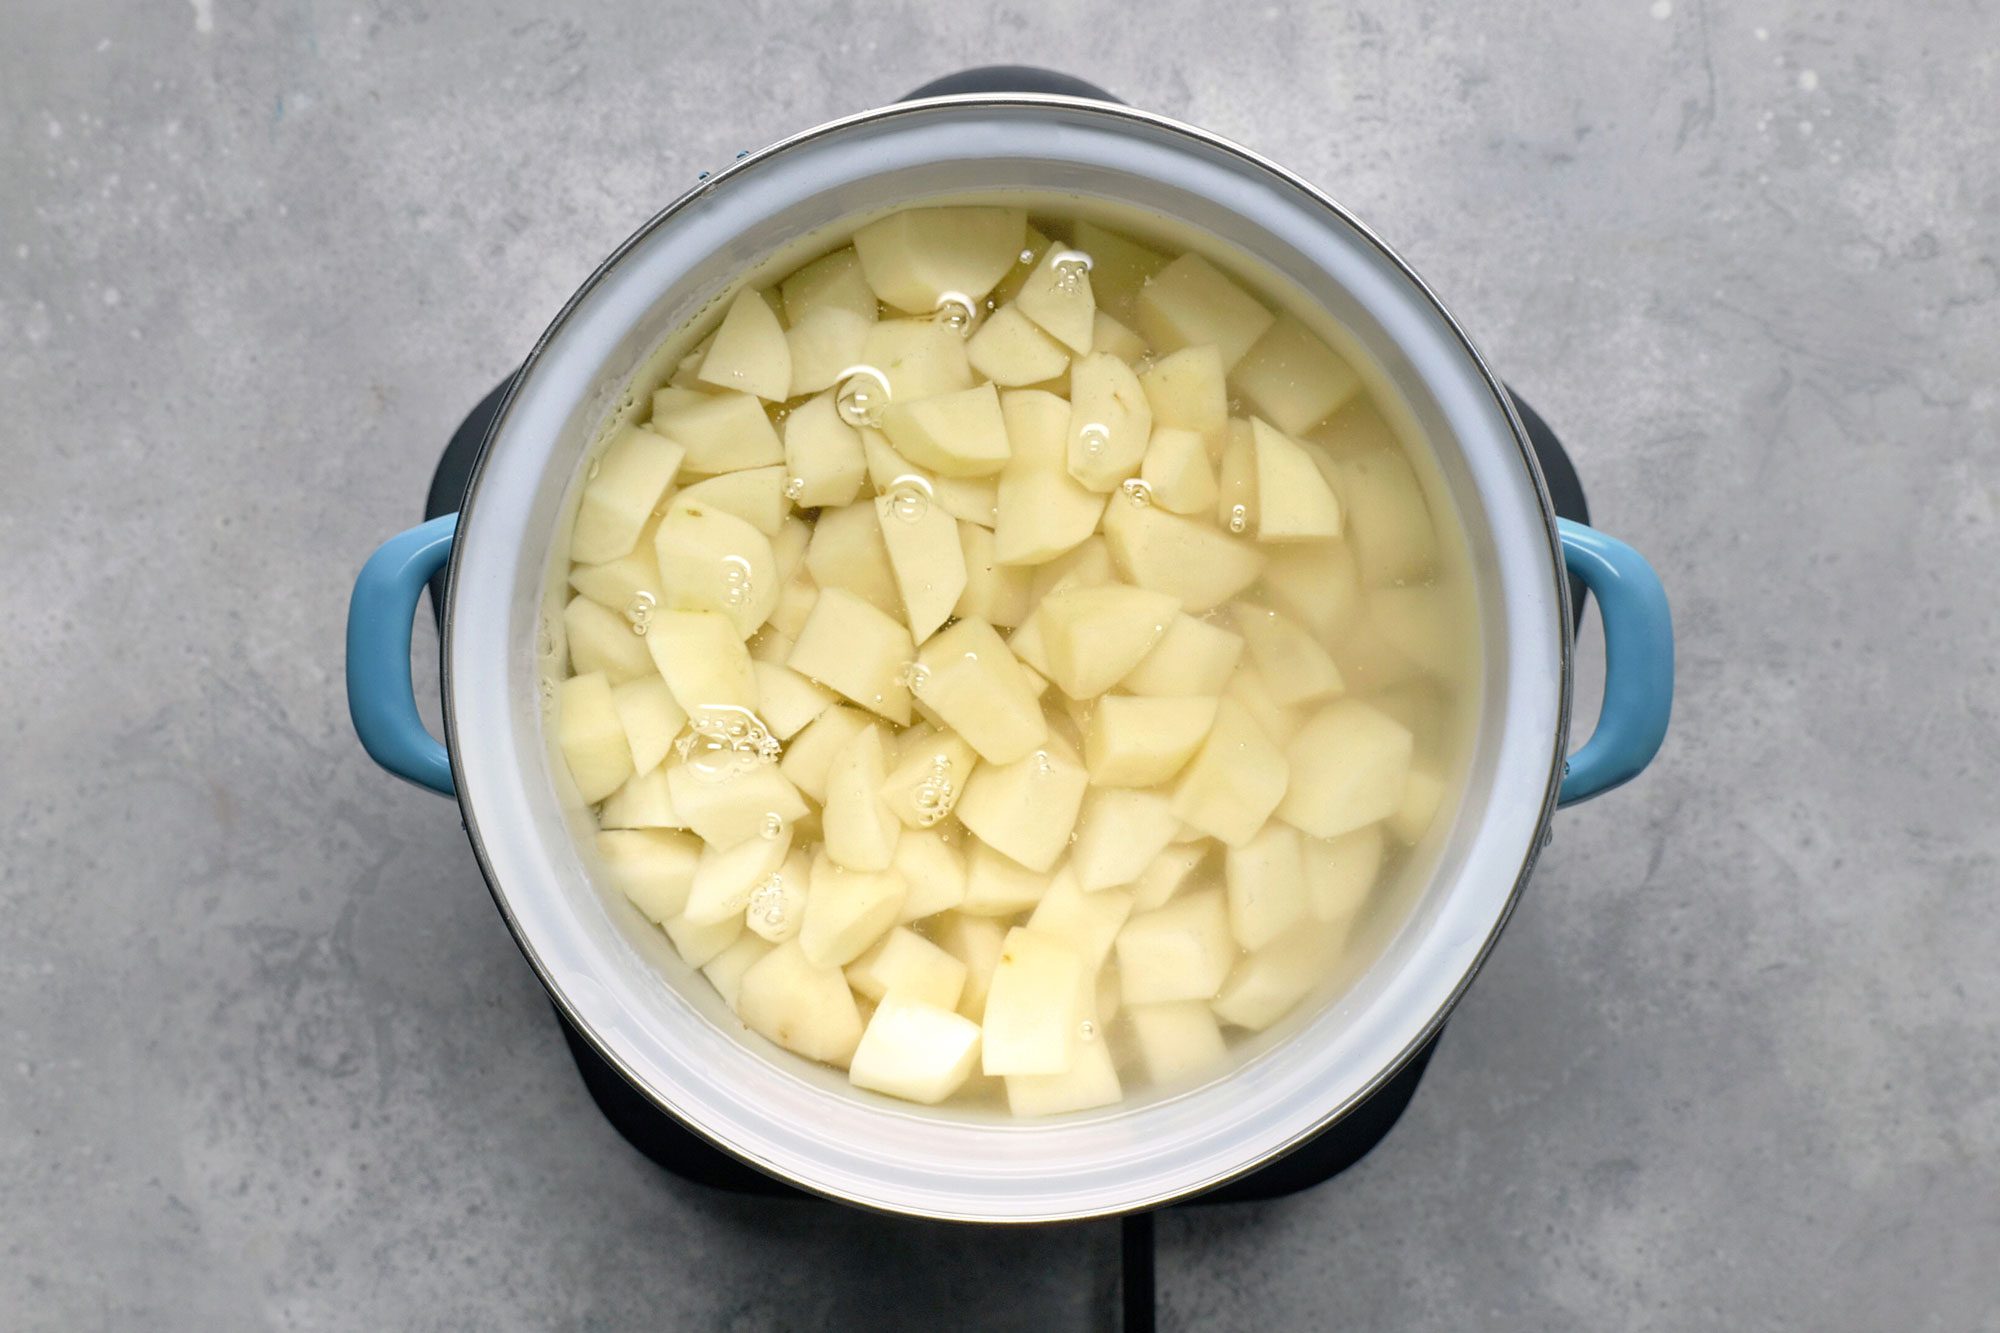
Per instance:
(801,1005)
(998,885)
(822,454)
(847,910)
(1177,471)
(777,905)
(854,649)
(714,561)
(934,872)
(926,557)
(1011,350)
(1340,872)
(996,593)
(1293,665)
(591,736)
(1189,303)
(1043,510)
(652,868)
(1027,808)
(634,471)
(646,801)
(756,495)
(702,656)
(959,434)
(1194,657)
(1031,1011)
(1094,636)
(914,258)
(859,828)
(722,432)
(1091,1081)
(809,757)
(1167,553)
(787,701)
(914,1050)
(1176,1040)
(1264,987)
(847,552)
(1423,793)
(1109,422)
(1349,765)
(725,970)
(1057,296)
(1088,921)
(601,640)
(916,358)
(700,943)
(1182,951)
(1293,378)
(749,352)
(1119,831)
(1119,266)
(733,808)
(1167,875)
(1294,501)
(1235,780)
(828,311)
(1266,882)
(616,584)
(904,963)
(926,775)
(1189,390)
(1142,742)
(977,942)
(1109,336)
(971,681)
(726,875)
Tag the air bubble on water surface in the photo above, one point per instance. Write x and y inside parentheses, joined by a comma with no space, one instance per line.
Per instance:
(954,311)
(914,675)
(863,394)
(1137,491)
(1087,1030)
(545,638)
(1043,766)
(1239,518)
(596,466)
(1027,256)
(909,497)
(773,827)
(1071,267)
(767,900)
(639,611)
(723,741)
(736,589)
(794,487)
(1095,437)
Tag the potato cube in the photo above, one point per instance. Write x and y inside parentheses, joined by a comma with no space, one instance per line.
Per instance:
(601,641)
(994,593)
(1182,951)
(905,964)
(973,499)
(1167,875)
(1094,636)
(1317,584)
(1194,657)
(726,875)
(1388,520)
(915,1051)
(1057,296)
(1167,553)
(698,943)
(1026,808)
(777,905)
(822,454)
(1177,471)
(1266,882)
(1295,668)
(1089,565)
(714,561)
(646,801)
(968,677)
(1119,266)
(1188,391)
(959,434)
(855,649)
(926,776)
(749,352)
(756,495)
(787,701)
(615,584)
(653,869)
(591,737)
(1249,688)
(847,910)
(933,872)
(831,282)
(788,617)
(1266,985)
(1043,511)
(702,656)
(788,549)
(1294,501)
(1341,872)
(847,552)
(810,755)
(1031,1018)
(801,1005)
(1010,350)
(630,477)
(1090,1081)
(977,942)
(724,432)
(725,970)
(1141,742)
(859,828)
(1349,766)
(1118,834)
(1176,1040)
(1293,378)
(925,555)
(823,346)
(917,358)
(1088,921)
(1430,625)
(915,257)
(997,885)
(1109,422)
(1423,793)
(1190,303)
(1235,780)
(732,808)
(1107,335)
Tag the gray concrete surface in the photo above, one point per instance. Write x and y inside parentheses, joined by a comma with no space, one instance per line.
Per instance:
(268,1058)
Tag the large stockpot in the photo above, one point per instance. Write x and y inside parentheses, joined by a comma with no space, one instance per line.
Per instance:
(611,973)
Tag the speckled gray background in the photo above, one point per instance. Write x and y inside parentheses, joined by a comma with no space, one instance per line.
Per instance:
(268,1057)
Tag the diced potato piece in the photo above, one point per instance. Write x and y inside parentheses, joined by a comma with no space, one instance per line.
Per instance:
(1182,951)
(1043,511)
(1109,422)
(1188,391)
(787,701)
(822,454)
(1340,872)
(631,476)
(1236,479)
(1088,921)
(1118,834)
(1235,779)
(646,801)
(1160,881)
(1011,351)
(1189,303)
(725,970)
(616,583)
(1294,501)
(1349,766)
(1119,266)
(914,258)
(1026,808)
(788,548)
(855,649)
(1425,624)
(777,906)
(915,1051)
(653,869)
(749,352)
(1267,885)
(975,941)
(1109,336)
(1249,688)
(1192,658)
(917,358)
(971,681)
(960,434)
(926,777)
(1031,1018)
(1388,520)
(824,345)
(714,561)
(677,395)
(831,282)
(702,656)
(726,875)
(1089,565)
(788,617)
(847,552)
(1177,471)
(1110,996)
(724,432)
(1057,296)
(973,499)
(592,739)
(1293,378)
(933,872)
(801,1005)
(847,910)
(699,943)
(1265,986)
(1317,584)
(651,718)
(1423,793)
(860,829)
(1094,636)
(1293,665)
(1141,742)
(1176,1039)
(1181,556)
(756,495)
(995,593)
(925,556)
(1091,1081)
(997,885)
(602,641)
(810,755)
(733,808)
(906,964)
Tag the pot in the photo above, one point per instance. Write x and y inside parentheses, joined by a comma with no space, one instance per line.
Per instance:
(612,974)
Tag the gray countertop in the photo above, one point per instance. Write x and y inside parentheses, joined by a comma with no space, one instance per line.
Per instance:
(268,1057)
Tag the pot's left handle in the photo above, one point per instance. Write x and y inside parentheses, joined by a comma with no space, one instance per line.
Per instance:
(381,697)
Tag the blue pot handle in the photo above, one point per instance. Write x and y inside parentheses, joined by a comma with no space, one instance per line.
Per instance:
(381,697)
(1638,662)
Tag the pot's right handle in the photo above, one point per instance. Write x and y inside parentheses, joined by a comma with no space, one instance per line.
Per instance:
(381,696)
(1638,662)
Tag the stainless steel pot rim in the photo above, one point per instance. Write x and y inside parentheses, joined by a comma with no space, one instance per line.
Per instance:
(567,1004)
